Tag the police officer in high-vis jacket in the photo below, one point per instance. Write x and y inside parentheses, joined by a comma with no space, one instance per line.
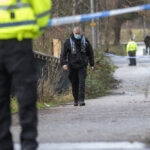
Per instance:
(75,55)
(20,22)
(131,50)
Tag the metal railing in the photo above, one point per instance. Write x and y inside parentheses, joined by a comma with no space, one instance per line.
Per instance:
(49,64)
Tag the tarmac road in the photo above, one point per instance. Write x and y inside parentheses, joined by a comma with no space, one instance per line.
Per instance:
(122,116)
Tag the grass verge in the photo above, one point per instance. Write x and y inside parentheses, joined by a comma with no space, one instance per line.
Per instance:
(118,50)
(56,101)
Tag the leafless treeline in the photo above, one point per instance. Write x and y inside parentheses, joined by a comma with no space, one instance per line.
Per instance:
(105,28)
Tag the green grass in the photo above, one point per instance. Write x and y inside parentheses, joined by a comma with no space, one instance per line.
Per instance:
(125,35)
(40,105)
(117,49)
(57,101)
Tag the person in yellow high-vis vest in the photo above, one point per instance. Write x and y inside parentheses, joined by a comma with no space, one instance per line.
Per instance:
(20,22)
(131,50)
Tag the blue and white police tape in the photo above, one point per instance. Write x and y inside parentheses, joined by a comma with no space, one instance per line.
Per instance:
(85,17)
(113,55)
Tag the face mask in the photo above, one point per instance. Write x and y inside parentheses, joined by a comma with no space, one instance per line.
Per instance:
(77,36)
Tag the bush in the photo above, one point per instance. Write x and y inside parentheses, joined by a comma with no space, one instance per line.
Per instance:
(100,81)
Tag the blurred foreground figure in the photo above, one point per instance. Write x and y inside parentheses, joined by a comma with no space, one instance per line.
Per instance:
(20,22)
(131,50)
(75,55)
(147,44)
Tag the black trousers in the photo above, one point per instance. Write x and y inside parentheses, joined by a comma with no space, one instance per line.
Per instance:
(132,60)
(77,78)
(17,70)
(148,50)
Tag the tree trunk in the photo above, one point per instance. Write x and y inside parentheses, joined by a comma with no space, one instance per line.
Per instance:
(57,7)
(107,32)
(117,32)
(97,8)
(73,10)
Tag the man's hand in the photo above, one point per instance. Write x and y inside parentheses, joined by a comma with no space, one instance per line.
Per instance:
(65,67)
(92,68)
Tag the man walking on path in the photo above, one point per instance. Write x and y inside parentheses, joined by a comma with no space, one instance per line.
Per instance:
(20,22)
(131,50)
(75,55)
(147,44)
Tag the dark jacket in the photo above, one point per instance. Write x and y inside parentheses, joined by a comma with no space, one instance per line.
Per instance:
(147,41)
(78,60)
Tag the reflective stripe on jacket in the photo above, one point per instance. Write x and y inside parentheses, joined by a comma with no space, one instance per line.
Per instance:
(131,46)
(23,18)
(73,46)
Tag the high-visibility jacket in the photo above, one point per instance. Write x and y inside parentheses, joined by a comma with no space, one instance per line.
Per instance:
(131,46)
(23,19)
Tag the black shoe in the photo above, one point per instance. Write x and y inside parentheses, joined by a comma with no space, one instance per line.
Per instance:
(75,104)
(81,103)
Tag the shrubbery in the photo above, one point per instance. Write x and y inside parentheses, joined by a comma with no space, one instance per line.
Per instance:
(99,82)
